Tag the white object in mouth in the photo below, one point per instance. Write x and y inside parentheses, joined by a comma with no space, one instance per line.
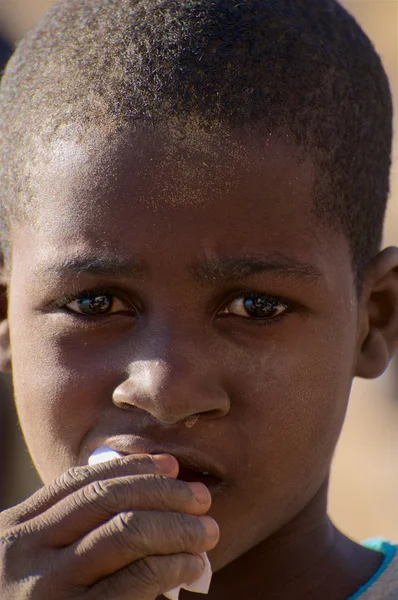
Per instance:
(103,454)
(201,585)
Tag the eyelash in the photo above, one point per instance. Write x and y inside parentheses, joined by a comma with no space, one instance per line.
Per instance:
(115,294)
(262,322)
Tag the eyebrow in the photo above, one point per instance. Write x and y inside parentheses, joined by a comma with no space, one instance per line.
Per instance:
(207,271)
(106,267)
(212,270)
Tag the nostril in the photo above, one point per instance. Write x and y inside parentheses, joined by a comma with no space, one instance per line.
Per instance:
(124,405)
(171,398)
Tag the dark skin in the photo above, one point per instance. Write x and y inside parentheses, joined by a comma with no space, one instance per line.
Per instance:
(232,305)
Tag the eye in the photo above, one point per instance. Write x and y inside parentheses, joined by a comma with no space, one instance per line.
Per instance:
(255,306)
(95,304)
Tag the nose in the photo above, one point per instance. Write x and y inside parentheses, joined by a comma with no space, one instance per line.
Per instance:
(171,391)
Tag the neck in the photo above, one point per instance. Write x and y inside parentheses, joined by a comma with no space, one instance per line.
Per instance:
(308,558)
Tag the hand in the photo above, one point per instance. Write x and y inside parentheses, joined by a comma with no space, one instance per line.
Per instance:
(122,530)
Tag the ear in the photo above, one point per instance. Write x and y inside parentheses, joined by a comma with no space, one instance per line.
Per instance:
(378,320)
(5,349)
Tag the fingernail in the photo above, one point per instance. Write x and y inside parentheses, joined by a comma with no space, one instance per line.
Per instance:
(211,527)
(165,463)
(200,492)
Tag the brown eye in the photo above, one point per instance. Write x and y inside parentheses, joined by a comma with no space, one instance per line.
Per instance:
(96,305)
(255,306)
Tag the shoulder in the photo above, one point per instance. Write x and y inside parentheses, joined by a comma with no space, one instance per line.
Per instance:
(385,584)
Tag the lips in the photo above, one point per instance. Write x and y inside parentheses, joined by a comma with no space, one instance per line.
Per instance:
(188,473)
(193,464)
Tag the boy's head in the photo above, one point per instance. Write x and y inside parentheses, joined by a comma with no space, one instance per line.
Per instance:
(303,69)
(193,199)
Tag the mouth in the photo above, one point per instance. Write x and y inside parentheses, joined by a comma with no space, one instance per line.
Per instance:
(193,464)
(191,473)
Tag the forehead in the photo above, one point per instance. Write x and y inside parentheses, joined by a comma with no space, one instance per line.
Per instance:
(214,193)
(173,168)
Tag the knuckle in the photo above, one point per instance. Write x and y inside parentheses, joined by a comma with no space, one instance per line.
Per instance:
(98,498)
(160,488)
(129,533)
(6,545)
(138,532)
(148,526)
(125,522)
(102,492)
(6,521)
(9,540)
(72,478)
(165,493)
(192,528)
(142,530)
(14,516)
(10,555)
(146,575)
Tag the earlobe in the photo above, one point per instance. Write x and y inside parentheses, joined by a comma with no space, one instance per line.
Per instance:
(379,315)
(373,358)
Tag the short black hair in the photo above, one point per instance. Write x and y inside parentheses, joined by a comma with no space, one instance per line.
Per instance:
(302,66)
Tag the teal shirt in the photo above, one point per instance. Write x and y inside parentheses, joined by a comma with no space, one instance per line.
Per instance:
(389,550)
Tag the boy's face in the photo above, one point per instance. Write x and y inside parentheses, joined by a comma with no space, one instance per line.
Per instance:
(211,292)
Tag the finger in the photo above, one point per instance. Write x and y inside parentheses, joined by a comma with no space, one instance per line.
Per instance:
(131,536)
(91,506)
(148,578)
(78,477)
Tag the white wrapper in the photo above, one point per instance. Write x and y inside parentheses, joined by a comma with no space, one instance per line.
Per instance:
(201,585)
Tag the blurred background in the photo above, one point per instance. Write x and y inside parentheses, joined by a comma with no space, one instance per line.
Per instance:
(363,499)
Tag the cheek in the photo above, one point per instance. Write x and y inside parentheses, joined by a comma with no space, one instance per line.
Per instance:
(61,388)
(289,410)
(292,410)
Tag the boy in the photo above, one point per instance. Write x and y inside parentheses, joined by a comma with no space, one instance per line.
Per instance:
(193,199)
